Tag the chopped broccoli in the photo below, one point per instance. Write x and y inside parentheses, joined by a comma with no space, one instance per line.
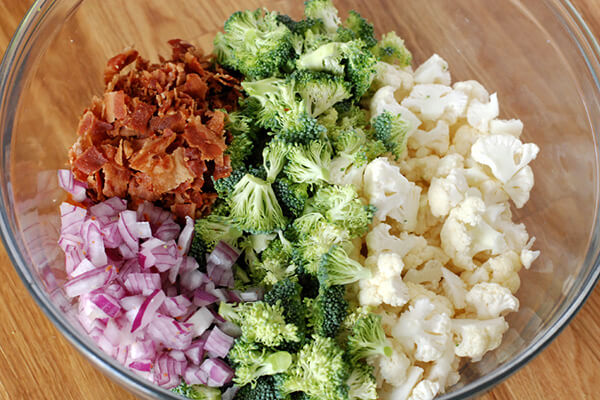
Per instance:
(319,371)
(391,130)
(320,90)
(260,322)
(309,163)
(391,49)
(325,11)
(361,29)
(288,294)
(276,262)
(263,389)
(328,57)
(368,338)
(361,383)
(254,207)
(257,273)
(337,268)
(292,196)
(356,146)
(224,186)
(255,44)
(197,392)
(328,310)
(274,157)
(239,150)
(209,231)
(281,111)
(251,361)
(342,206)
(314,243)
(244,133)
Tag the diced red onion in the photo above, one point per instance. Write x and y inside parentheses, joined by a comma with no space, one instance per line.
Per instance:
(218,343)
(88,281)
(203,298)
(223,255)
(75,188)
(218,372)
(175,306)
(126,225)
(185,238)
(109,208)
(115,290)
(177,355)
(251,295)
(142,350)
(171,333)
(169,230)
(95,245)
(132,302)
(195,353)
(220,275)
(230,329)
(145,366)
(148,310)
(195,376)
(201,321)
(155,215)
(142,283)
(192,280)
(84,266)
(72,219)
(165,374)
(112,237)
(109,305)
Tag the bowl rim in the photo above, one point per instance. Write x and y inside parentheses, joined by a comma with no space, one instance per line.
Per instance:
(589,48)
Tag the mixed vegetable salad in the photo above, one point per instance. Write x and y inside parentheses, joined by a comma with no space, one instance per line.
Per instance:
(300,216)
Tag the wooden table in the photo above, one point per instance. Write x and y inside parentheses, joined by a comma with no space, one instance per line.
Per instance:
(37,363)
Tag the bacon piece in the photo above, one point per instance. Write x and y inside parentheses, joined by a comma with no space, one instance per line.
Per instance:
(199,136)
(92,127)
(114,107)
(174,122)
(138,119)
(90,161)
(222,167)
(116,180)
(195,86)
(117,63)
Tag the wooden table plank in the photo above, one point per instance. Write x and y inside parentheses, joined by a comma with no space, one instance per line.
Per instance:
(36,362)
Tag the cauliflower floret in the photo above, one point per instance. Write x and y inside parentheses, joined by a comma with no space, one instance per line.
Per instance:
(463,140)
(425,390)
(492,191)
(423,331)
(425,219)
(392,75)
(437,139)
(454,288)
(528,256)
(423,252)
(446,193)
(474,90)
(380,240)
(503,270)
(431,273)
(512,127)
(448,163)
(417,169)
(392,370)
(466,233)
(391,193)
(490,300)
(402,389)
(444,371)
(434,101)
(385,285)
(384,100)
(441,303)
(505,155)
(434,70)
(519,186)
(480,114)
(473,338)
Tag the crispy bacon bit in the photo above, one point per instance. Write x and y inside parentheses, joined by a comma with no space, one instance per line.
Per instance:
(158,133)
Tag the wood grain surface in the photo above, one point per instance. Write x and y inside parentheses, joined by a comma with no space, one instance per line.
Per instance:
(36,362)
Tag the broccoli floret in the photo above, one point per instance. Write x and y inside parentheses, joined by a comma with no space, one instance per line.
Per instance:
(325,11)
(314,243)
(224,186)
(292,196)
(328,57)
(361,29)
(337,268)
(239,150)
(391,49)
(319,371)
(197,392)
(260,322)
(209,231)
(255,44)
(309,163)
(357,147)
(288,294)
(368,338)
(361,383)
(342,206)
(257,273)
(282,112)
(244,133)
(254,207)
(251,361)
(391,130)
(264,389)
(274,158)
(320,90)
(276,262)
(328,310)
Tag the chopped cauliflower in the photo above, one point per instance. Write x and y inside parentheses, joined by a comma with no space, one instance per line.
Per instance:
(454,288)
(512,127)
(392,370)
(503,270)
(425,390)
(480,114)
(474,90)
(434,70)
(436,139)
(385,285)
(380,240)
(463,140)
(528,256)
(401,389)
(384,100)
(431,273)
(344,172)
(446,193)
(392,75)
(473,338)
(392,194)
(442,304)
(434,101)
(490,300)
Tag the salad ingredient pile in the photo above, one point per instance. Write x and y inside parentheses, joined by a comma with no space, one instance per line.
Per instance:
(353,235)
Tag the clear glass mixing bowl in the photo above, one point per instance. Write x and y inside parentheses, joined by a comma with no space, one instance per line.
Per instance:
(537,54)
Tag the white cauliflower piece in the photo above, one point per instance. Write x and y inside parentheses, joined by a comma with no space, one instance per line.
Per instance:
(425,390)
(474,90)
(465,233)
(401,389)
(444,371)
(431,273)
(478,275)
(434,101)
(448,163)
(434,70)
(394,196)
(342,171)
(503,270)
(480,114)
(392,75)
(423,252)
(383,100)
(528,256)
(454,288)
(473,338)
(441,303)
(505,155)
(446,193)
(385,285)
(512,127)
(437,139)
(463,140)
(519,186)
(417,169)
(392,370)
(490,300)
(425,219)
(423,331)
(380,240)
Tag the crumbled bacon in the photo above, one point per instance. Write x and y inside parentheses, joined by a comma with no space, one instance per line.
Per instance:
(158,133)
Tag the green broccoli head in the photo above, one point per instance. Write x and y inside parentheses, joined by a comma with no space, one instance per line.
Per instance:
(209,231)
(239,150)
(260,322)
(357,27)
(320,90)
(274,158)
(392,131)
(360,68)
(325,11)
(342,206)
(309,163)
(356,146)
(276,262)
(328,57)
(337,268)
(197,392)
(368,338)
(391,49)
(254,207)
(288,294)
(328,310)
(254,43)
(263,389)
(361,383)
(251,361)
(292,196)
(319,371)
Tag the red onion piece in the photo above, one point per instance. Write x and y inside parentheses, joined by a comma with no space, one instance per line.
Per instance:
(218,343)
(148,310)
(218,372)
(171,333)
(201,321)
(195,353)
(203,298)
(142,283)
(88,281)
(176,306)
(185,238)
(195,376)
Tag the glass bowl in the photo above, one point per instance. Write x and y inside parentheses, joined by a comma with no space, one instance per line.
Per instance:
(537,54)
